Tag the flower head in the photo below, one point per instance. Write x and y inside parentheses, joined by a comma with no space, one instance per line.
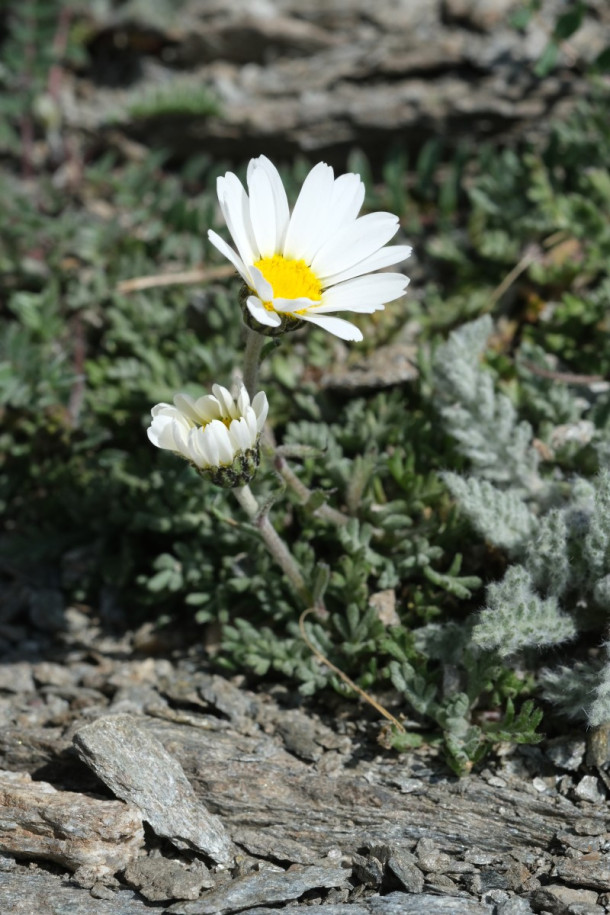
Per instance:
(217,434)
(316,261)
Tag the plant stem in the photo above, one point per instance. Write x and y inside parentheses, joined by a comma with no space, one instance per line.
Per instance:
(304,493)
(252,355)
(273,542)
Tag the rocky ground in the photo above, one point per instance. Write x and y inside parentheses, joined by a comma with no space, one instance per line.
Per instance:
(133,778)
(323,76)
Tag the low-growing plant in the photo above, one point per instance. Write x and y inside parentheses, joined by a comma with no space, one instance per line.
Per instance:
(448,530)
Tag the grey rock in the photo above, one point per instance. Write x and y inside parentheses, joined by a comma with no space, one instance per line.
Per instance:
(589,873)
(515,906)
(368,870)
(264,888)
(561,900)
(589,789)
(47,673)
(231,701)
(402,865)
(71,829)
(162,879)
(319,77)
(481,15)
(566,753)
(430,858)
(17,678)
(582,908)
(24,892)
(442,884)
(332,908)
(403,904)
(137,768)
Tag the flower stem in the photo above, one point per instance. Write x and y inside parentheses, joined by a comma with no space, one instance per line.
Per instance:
(304,493)
(252,355)
(273,542)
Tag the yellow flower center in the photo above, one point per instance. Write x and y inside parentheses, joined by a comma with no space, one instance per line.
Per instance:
(290,279)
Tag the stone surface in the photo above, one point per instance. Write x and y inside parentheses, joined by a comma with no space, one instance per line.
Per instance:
(137,768)
(403,866)
(264,888)
(321,78)
(27,892)
(592,872)
(589,788)
(162,879)
(515,906)
(71,829)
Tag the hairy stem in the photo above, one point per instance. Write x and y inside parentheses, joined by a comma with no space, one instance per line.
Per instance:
(273,542)
(304,493)
(252,355)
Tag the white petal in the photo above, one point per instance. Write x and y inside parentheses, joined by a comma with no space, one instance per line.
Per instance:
(302,237)
(204,449)
(235,207)
(208,445)
(364,294)
(385,257)
(231,256)
(262,212)
(153,433)
(243,400)
(282,212)
(226,452)
(260,405)
(251,421)
(289,305)
(260,313)
(262,287)
(163,408)
(227,404)
(345,203)
(208,408)
(186,405)
(336,326)
(168,433)
(359,240)
(239,434)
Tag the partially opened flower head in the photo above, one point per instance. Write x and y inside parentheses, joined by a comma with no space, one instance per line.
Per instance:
(319,260)
(218,434)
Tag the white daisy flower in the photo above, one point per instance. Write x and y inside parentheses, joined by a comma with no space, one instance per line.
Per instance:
(316,261)
(217,434)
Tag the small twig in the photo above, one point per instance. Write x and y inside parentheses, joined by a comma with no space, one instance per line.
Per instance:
(60,43)
(323,660)
(186,277)
(77,392)
(528,258)
(565,377)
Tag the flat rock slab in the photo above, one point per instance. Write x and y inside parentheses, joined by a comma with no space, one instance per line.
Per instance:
(137,768)
(266,797)
(71,829)
(26,892)
(393,904)
(322,77)
(266,887)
